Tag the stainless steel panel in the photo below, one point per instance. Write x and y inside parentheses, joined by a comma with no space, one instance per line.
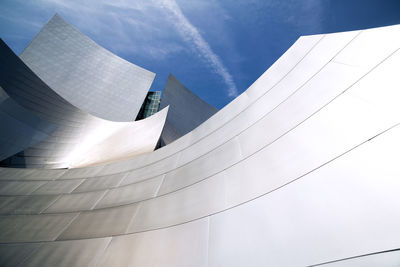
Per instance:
(130,193)
(100,223)
(75,202)
(28,228)
(19,187)
(186,110)
(343,209)
(183,245)
(204,167)
(192,203)
(79,253)
(14,254)
(100,183)
(83,72)
(58,187)
(26,204)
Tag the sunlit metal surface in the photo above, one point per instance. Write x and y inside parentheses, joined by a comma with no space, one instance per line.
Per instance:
(301,169)
(72,142)
(112,141)
(85,74)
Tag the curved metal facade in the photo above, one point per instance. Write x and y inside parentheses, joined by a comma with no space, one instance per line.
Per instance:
(124,140)
(20,129)
(301,169)
(76,130)
(85,74)
(186,110)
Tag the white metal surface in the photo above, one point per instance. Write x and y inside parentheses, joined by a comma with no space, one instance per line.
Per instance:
(302,169)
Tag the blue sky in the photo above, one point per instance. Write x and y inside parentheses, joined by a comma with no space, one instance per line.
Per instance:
(217,48)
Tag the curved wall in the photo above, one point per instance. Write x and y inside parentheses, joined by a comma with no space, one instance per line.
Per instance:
(105,146)
(300,170)
(77,131)
(20,128)
(85,74)
(186,112)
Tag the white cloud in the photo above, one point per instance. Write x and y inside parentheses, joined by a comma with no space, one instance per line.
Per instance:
(123,27)
(141,28)
(192,36)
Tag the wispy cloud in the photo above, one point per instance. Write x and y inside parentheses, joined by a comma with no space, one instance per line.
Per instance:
(152,30)
(124,27)
(191,35)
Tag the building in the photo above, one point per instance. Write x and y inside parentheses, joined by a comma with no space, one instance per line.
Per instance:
(150,106)
(186,110)
(65,78)
(299,170)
